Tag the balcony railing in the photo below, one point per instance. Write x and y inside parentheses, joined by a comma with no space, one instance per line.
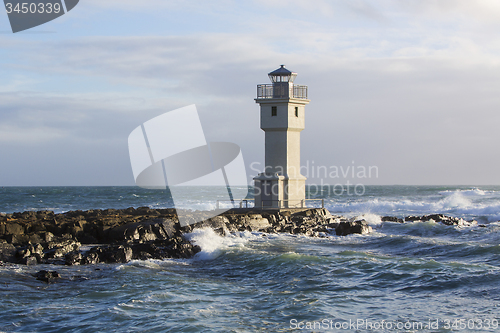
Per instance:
(270,204)
(281,91)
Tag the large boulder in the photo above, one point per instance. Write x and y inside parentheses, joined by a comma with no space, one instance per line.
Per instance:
(47,276)
(144,231)
(14,229)
(73,258)
(7,252)
(446,220)
(392,219)
(254,222)
(353,227)
(102,254)
(59,249)
(117,254)
(220,224)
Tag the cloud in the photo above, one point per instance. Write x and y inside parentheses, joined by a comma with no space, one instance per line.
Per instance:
(28,135)
(393,84)
(482,10)
(35,118)
(361,99)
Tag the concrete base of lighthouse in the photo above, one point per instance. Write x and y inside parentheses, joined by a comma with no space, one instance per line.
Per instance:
(278,191)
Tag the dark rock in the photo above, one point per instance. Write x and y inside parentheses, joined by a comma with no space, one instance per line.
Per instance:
(146,211)
(87,239)
(354,227)
(447,220)
(253,222)
(93,213)
(130,211)
(30,254)
(108,254)
(218,223)
(14,229)
(47,276)
(186,250)
(31,260)
(7,252)
(91,258)
(144,231)
(18,239)
(73,258)
(74,213)
(35,227)
(120,254)
(392,219)
(169,226)
(434,217)
(34,238)
(78,278)
(36,249)
(332,225)
(59,249)
(146,251)
(46,236)
(23,252)
(110,211)
(44,214)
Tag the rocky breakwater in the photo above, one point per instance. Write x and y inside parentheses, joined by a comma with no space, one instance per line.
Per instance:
(118,236)
(314,222)
(438,218)
(93,236)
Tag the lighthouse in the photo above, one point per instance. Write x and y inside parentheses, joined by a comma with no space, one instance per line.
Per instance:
(282,118)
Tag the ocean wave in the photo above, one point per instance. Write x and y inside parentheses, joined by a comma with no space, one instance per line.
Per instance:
(470,192)
(455,204)
(213,245)
(154,263)
(372,219)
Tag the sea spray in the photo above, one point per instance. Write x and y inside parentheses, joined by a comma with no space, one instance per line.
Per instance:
(212,245)
(373,220)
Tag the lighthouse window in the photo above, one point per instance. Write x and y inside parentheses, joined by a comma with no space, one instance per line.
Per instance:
(296,111)
(274,111)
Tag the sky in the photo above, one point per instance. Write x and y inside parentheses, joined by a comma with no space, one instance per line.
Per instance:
(409,88)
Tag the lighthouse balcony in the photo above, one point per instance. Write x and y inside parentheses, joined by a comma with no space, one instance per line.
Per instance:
(281,91)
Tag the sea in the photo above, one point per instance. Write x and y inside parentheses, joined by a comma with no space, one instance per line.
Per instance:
(402,277)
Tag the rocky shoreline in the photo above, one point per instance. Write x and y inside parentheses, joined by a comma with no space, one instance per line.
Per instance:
(120,235)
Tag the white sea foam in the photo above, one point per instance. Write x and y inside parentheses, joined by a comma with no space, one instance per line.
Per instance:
(371,219)
(153,263)
(212,245)
(470,192)
(459,203)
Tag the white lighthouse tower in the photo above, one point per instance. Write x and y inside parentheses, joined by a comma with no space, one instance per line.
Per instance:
(282,106)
